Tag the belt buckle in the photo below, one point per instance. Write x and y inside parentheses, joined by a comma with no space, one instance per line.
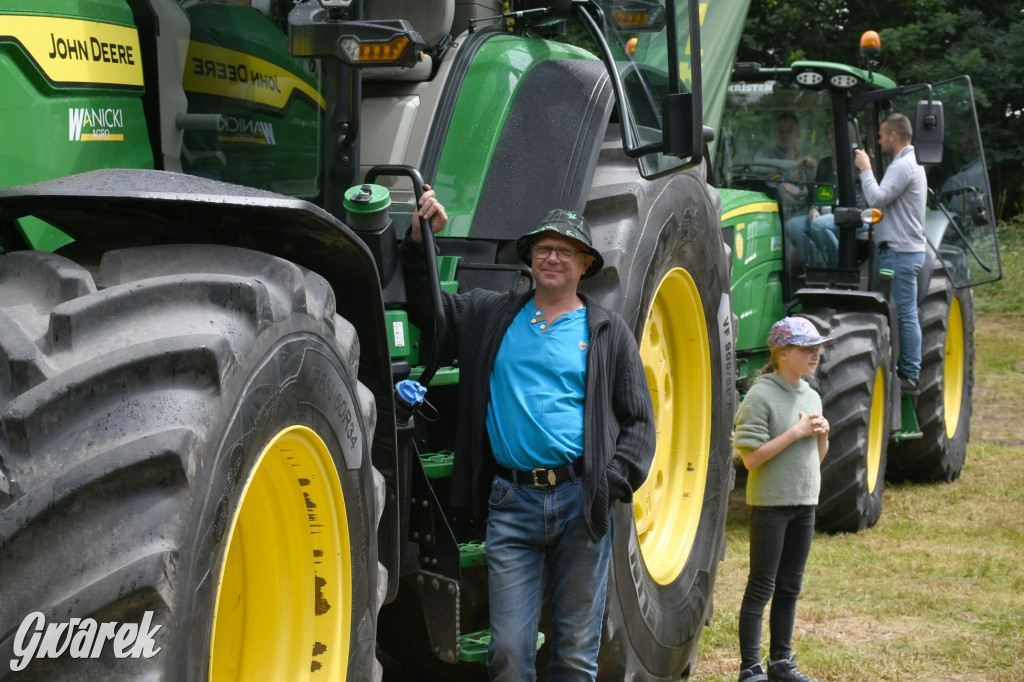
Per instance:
(551,479)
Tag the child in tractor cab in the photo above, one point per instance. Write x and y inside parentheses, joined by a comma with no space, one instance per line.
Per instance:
(782,438)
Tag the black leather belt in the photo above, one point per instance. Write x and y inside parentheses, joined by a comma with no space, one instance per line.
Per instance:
(543,478)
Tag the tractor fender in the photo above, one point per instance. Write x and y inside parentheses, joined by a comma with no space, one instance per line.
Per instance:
(935,225)
(109,209)
(927,270)
(840,299)
(500,167)
(863,301)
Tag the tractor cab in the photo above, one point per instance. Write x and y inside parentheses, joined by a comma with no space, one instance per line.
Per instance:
(790,135)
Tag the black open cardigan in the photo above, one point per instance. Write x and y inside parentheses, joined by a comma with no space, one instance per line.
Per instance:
(618,419)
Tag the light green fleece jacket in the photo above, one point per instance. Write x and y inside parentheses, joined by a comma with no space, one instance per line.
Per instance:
(792,477)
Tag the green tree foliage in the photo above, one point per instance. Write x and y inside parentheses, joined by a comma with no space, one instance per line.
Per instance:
(922,40)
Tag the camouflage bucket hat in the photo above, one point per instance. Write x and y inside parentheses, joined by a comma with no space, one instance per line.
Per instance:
(568,224)
(795,331)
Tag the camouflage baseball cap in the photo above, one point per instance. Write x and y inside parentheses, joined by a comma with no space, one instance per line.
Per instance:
(795,331)
(568,224)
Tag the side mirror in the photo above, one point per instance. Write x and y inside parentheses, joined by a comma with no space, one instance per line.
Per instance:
(680,137)
(929,127)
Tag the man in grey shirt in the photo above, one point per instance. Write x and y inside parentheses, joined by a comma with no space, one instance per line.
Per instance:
(901,197)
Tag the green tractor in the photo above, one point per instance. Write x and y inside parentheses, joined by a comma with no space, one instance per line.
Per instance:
(202,324)
(802,244)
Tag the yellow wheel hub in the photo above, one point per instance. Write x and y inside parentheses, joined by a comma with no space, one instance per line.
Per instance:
(953,369)
(876,429)
(284,593)
(677,361)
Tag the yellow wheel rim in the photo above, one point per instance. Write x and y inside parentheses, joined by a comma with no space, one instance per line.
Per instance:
(284,593)
(953,369)
(876,429)
(677,362)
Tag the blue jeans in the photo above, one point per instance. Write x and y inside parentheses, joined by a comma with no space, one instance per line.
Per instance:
(796,235)
(824,235)
(817,240)
(538,536)
(780,541)
(905,268)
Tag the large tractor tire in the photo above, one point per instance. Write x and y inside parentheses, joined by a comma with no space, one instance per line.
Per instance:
(947,385)
(183,435)
(854,381)
(667,272)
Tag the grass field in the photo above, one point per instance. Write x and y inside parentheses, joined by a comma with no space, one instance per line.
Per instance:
(935,591)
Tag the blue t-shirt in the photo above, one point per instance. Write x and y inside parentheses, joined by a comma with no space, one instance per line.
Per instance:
(535,415)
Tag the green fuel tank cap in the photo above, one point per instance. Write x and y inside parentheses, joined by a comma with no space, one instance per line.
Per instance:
(367,207)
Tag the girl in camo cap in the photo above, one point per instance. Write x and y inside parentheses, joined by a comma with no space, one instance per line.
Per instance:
(782,439)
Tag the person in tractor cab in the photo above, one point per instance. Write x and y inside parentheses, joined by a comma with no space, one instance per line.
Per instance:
(782,438)
(784,155)
(822,233)
(793,170)
(902,196)
(555,415)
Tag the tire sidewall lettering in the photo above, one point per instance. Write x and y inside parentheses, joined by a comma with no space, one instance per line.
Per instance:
(300,381)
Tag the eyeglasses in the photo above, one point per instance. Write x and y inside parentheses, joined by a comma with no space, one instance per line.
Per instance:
(564,254)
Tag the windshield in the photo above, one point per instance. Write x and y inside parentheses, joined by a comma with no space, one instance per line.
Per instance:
(778,139)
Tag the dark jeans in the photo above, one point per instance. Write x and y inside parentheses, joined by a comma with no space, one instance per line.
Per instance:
(537,539)
(780,540)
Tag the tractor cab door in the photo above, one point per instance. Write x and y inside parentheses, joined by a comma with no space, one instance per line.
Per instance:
(960,224)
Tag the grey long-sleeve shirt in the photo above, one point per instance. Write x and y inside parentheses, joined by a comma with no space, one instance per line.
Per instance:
(901,197)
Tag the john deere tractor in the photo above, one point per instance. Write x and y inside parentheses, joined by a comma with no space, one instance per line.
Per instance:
(802,244)
(202,324)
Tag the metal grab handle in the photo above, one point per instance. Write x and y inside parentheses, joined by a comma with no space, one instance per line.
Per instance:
(431,262)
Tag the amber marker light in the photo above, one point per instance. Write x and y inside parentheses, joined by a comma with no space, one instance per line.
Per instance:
(870,44)
(870,216)
(387,53)
(628,18)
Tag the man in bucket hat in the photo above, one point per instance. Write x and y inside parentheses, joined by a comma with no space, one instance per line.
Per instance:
(571,225)
(528,364)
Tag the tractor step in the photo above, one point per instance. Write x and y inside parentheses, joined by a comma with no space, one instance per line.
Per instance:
(473,646)
(472,554)
(438,464)
(910,428)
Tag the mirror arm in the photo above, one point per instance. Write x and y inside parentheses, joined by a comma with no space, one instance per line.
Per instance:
(590,23)
(955,225)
